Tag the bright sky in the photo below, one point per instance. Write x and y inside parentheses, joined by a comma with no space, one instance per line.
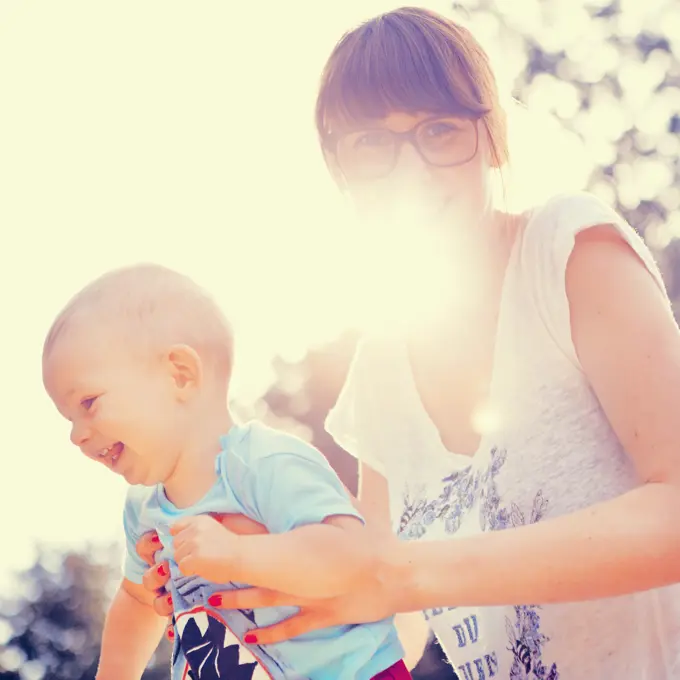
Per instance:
(179,133)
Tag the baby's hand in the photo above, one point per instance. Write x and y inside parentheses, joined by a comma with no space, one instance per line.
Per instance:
(204,547)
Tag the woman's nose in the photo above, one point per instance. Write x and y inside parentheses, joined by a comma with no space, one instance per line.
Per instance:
(409,167)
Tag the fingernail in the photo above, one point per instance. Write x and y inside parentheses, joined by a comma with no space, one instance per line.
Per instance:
(161,570)
(170,600)
(250,638)
(155,539)
(171,633)
(215,600)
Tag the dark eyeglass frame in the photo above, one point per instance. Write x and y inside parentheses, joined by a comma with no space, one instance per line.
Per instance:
(400,138)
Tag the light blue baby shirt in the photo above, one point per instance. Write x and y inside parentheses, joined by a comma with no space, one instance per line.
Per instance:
(283,483)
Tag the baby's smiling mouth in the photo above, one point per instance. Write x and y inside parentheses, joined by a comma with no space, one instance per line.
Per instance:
(111,453)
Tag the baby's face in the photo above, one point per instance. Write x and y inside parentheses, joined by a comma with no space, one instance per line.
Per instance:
(121,404)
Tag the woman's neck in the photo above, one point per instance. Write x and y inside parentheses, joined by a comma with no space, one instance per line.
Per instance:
(477,272)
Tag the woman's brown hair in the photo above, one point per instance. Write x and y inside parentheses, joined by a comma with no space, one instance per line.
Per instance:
(410,60)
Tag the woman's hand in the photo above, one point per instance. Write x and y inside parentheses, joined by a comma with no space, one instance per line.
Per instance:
(157,575)
(366,604)
(372,596)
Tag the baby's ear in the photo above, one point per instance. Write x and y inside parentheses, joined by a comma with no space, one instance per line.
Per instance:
(186,368)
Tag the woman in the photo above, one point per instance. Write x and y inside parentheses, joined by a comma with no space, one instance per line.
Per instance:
(534,422)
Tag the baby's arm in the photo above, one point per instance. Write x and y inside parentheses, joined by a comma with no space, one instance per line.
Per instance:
(132,629)
(131,634)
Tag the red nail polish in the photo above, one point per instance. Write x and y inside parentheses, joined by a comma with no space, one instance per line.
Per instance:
(170,600)
(155,539)
(161,570)
(215,600)
(171,633)
(250,638)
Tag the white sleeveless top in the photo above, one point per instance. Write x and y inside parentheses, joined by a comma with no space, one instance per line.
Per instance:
(551,452)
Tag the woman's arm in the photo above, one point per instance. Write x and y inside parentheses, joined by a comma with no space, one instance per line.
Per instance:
(629,346)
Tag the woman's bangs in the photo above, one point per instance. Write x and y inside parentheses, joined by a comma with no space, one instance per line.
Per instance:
(382,73)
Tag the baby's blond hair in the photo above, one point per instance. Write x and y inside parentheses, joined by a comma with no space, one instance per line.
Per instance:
(157,305)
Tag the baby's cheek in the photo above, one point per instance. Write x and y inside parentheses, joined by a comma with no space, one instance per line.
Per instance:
(106,421)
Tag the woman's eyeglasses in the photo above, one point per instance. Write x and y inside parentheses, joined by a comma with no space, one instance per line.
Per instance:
(372,153)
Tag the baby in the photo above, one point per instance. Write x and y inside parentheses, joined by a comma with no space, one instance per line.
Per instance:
(140,362)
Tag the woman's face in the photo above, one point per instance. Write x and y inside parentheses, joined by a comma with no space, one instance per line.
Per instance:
(438,175)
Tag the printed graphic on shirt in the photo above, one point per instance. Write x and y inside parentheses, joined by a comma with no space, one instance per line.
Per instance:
(526,644)
(462,492)
(207,644)
(211,651)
